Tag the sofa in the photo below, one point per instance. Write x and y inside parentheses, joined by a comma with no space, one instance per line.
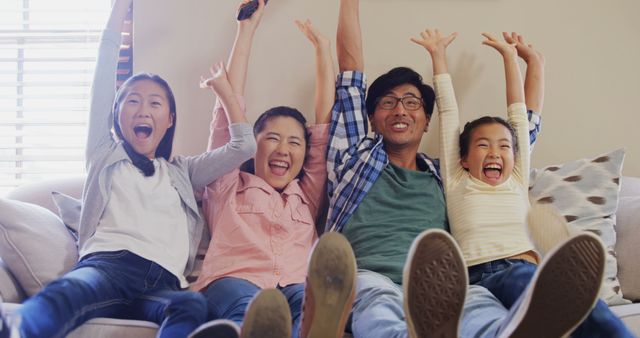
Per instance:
(628,215)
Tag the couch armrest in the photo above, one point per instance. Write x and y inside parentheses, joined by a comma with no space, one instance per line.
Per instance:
(10,290)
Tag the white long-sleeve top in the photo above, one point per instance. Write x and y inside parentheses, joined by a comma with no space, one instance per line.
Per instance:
(488,222)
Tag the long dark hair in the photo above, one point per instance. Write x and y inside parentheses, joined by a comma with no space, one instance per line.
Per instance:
(261,122)
(166,144)
(469,127)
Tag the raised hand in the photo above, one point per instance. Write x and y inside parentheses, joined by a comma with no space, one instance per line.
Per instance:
(503,47)
(525,51)
(218,81)
(252,22)
(534,79)
(433,41)
(312,34)
(325,77)
(436,44)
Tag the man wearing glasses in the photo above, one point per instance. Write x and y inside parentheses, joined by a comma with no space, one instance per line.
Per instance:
(384,193)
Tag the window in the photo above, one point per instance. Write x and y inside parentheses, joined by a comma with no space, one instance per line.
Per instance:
(47,58)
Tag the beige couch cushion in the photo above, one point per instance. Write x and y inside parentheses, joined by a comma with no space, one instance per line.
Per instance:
(34,244)
(628,230)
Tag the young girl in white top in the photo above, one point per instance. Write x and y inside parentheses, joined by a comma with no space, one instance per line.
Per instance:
(485,172)
(139,225)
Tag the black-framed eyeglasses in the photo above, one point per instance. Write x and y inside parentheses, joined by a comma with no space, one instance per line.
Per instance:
(409,102)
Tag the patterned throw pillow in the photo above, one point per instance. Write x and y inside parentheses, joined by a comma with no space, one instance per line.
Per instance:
(586,192)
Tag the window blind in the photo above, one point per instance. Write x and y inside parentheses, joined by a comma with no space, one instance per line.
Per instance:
(47,57)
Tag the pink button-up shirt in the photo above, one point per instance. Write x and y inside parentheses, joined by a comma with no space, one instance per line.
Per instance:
(257,233)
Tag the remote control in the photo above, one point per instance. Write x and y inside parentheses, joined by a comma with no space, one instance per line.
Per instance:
(247,10)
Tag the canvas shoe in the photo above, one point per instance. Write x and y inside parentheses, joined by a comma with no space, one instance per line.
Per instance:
(4,328)
(562,292)
(8,326)
(219,328)
(435,284)
(330,288)
(268,316)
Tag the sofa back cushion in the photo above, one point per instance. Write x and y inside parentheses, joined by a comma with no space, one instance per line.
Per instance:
(34,244)
(628,229)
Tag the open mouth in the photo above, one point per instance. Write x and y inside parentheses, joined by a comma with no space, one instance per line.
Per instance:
(492,171)
(142,130)
(278,168)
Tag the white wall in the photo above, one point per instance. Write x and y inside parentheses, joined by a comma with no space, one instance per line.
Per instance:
(592,50)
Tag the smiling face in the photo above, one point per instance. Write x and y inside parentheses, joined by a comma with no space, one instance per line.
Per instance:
(491,154)
(400,127)
(281,151)
(144,116)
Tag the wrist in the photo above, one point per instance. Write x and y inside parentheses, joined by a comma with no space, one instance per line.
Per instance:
(534,61)
(245,31)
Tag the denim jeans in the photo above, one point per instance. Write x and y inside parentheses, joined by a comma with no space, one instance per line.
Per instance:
(229,297)
(508,278)
(115,284)
(378,310)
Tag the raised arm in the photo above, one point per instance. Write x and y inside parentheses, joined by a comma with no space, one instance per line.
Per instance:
(349,37)
(236,74)
(517,113)
(238,62)
(219,83)
(436,44)
(534,77)
(325,77)
(118,14)
(103,87)
(515,91)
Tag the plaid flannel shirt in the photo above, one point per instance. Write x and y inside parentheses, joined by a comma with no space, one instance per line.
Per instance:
(355,160)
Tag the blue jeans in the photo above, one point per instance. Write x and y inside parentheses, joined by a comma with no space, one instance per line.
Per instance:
(115,284)
(508,278)
(378,310)
(229,297)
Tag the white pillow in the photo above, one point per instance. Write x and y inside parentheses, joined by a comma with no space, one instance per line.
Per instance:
(69,210)
(34,244)
(586,193)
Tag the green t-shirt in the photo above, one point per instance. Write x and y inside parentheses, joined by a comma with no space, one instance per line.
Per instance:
(400,205)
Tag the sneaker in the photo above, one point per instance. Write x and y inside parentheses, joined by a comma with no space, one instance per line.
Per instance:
(330,288)
(8,326)
(219,328)
(562,292)
(268,316)
(4,328)
(435,285)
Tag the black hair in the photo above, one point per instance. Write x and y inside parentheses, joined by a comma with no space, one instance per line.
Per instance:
(166,143)
(397,77)
(469,127)
(261,122)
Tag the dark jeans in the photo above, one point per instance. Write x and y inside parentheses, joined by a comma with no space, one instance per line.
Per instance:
(508,278)
(115,284)
(229,297)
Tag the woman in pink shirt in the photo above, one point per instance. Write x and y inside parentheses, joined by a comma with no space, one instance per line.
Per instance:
(262,216)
